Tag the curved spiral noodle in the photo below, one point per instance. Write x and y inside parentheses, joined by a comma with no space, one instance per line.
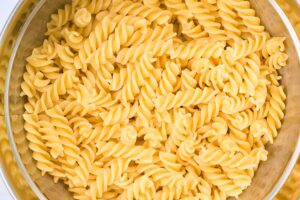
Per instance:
(198,50)
(277,60)
(169,78)
(107,176)
(142,188)
(243,48)
(40,152)
(205,18)
(66,56)
(51,138)
(136,153)
(128,135)
(213,77)
(62,17)
(150,3)
(118,114)
(152,34)
(146,104)
(229,21)
(184,98)
(68,140)
(111,46)
(248,15)
(162,176)
(277,107)
(82,18)
(215,156)
(73,38)
(235,104)
(135,52)
(186,150)
(153,14)
(59,87)
(188,80)
(169,161)
(87,157)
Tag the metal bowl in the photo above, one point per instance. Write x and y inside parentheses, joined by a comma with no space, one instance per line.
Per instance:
(25,30)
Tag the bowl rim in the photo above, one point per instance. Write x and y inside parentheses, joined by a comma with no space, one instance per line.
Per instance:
(289,167)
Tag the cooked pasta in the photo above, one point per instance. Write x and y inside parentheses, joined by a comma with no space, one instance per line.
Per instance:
(154,99)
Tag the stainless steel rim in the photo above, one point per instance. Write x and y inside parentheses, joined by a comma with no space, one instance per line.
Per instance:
(20,164)
(2,33)
(296,153)
(27,177)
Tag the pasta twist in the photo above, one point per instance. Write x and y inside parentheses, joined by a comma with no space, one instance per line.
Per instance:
(108,176)
(151,3)
(184,98)
(206,113)
(142,188)
(51,136)
(248,15)
(169,78)
(66,56)
(235,104)
(243,48)
(118,150)
(213,77)
(61,124)
(205,18)
(169,161)
(151,34)
(128,135)
(186,150)
(198,50)
(277,60)
(118,114)
(215,156)
(146,105)
(229,21)
(82,18)
(160,175)
(40,152)
(62,17)
(87,157)
(153,14)
(277,107)
(111,46)
(59,87)
(133,53)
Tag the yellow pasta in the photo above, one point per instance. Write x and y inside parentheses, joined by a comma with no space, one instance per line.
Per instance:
(147,99)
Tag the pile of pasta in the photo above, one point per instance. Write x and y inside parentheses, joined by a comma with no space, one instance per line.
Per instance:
(153,99)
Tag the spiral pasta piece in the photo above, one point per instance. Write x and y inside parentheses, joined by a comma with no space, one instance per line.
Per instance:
(184,98)
(243,48)
(229,21)
(40,152)
(153,14)
(108,176)
(277,107)
(87,157)
(169,78)
(137,153)
(59,87)
(133,53)
(198,50)
(248,15)
(205,18)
